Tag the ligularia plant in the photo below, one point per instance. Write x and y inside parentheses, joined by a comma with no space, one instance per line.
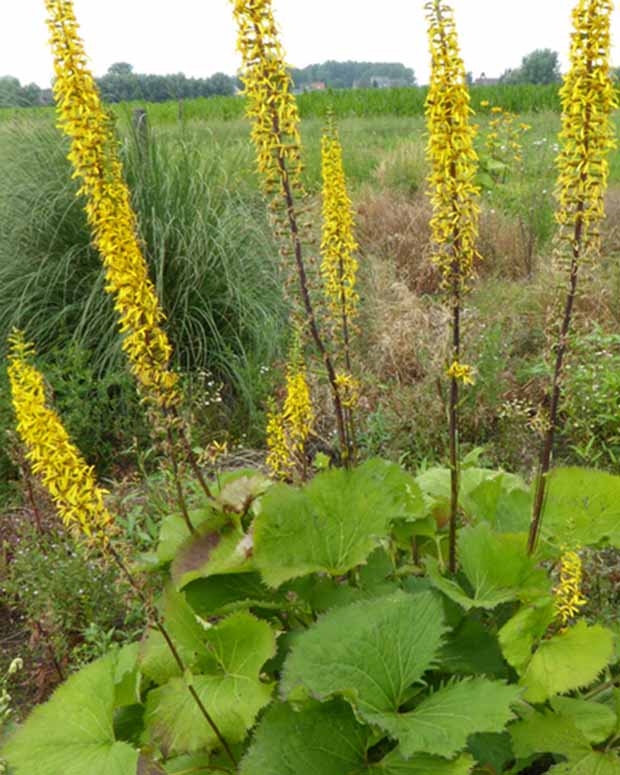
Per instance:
(454,197)
(273,112)
(69,480)
(96,163)
(588,98)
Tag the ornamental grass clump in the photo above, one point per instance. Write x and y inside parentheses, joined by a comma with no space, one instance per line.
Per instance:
(588,99)
(273,112)
(455,200)
(95,159)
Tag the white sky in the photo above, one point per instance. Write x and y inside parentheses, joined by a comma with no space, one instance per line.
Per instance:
(197,37)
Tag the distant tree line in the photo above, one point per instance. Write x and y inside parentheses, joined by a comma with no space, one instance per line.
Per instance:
(120,84)
(346,75)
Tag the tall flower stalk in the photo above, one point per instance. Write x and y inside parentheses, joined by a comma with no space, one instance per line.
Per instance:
(288,430)
(339,265)
(273,112)
(72,485)
(588,98)
(455,200)
(96,163)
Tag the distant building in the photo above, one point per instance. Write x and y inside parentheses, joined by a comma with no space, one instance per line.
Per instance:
(317,86)
(379,82)
(484,81)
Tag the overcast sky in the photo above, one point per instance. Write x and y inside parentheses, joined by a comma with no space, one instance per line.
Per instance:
(197,37)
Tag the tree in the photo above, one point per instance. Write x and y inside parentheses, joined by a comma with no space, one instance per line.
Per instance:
(10,89)
(539,66)
(120,68)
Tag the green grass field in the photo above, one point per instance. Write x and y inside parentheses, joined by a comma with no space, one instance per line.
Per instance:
(361,103)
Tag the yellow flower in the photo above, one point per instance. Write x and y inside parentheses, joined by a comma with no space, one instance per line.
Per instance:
(288,430)
(338,267)
(68,479)
(461,372)
(95,159)
(568,596)
(485,104)
(497,109)
(454,193)
(272,108)
(349,390)
(587,136)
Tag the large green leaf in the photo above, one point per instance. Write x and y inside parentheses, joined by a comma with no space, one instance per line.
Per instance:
(567,661)
(220,595)
(156,660)
(559,734)
(370,652)
(332,524)
(73,733)
(525,629)
(582,507)
(327,740)
(547,733)
(593,719)
(504,501)
(396,764)
(441,723)
(211,552)
(323,739)
(174,531)
(229,687)
(471,649)
(496,567)
(593,763)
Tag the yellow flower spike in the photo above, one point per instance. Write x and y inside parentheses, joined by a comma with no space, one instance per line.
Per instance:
(66,476)
(339,266)
(272,107)
(588,98)
(454,193)
(349,390)
(461,372)
(289,430)
(568,596)
(95,159)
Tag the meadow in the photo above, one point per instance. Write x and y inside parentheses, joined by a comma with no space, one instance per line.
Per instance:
(315,549)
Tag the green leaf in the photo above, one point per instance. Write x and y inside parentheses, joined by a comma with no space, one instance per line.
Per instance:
(127,676)
(592,719)
(156,659)
(174,532)
(73,732)
(520,633)
(547,733)
(471,650)
(593,763)
(567,661)
(497,567)
(492,750)
(231,690)
(227,549)
(582,507)
(395,764)
(238,495)
(441,723)
(327,740)
(505,502)
(220,595)
(370,652)
(323,739)
(331,525)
